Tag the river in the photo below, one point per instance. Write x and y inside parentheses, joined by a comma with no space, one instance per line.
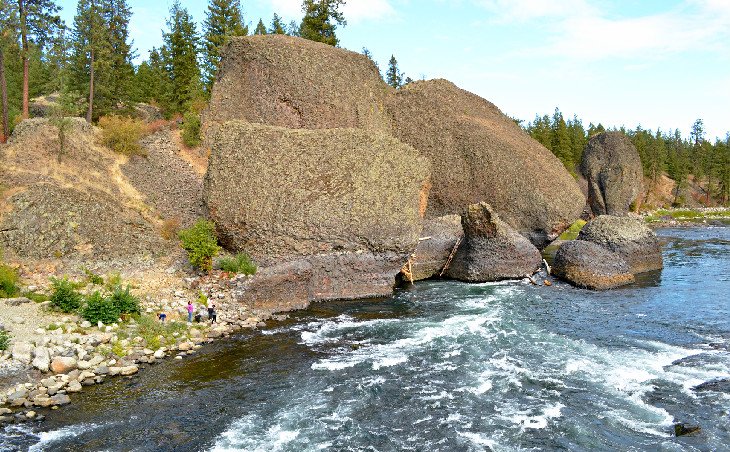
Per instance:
(443,366)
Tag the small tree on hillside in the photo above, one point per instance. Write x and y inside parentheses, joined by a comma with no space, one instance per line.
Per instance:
(393,76)
(321,18)
(260,28)
(277,26)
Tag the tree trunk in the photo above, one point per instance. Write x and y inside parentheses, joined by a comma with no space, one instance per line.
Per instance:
(90,111)
(24,39)
(4,88)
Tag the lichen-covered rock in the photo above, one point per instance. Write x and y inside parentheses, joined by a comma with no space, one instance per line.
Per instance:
(478,154)
(612,167)
(591,266)
(629,238)
(438,238)
(348,201)
(296,83)
(491,249)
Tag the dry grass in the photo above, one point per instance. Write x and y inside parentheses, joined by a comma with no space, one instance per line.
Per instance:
(169,228)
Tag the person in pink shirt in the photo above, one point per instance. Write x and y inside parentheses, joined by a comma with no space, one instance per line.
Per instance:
(190,311)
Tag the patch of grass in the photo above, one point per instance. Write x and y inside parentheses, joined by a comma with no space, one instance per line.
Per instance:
(122,135)
(686,215)
(572,232)
(4,340)
(200,243)
(65,295)
(169,229)
(241,263)
(53,326)
(36,296)
(113,280)
(9,282)
(93,278)
(155,333)
(118,349)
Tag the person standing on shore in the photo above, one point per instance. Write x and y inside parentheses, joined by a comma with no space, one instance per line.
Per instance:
(190,311)
(211,313)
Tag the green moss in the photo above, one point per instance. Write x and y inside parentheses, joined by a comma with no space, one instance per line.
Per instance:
(572,232)
(240,264)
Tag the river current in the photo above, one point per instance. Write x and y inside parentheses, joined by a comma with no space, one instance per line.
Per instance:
(443,366)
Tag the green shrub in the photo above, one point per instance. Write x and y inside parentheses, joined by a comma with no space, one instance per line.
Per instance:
(36,296)
(202,299)
(65,295)
(240,264)
(200,243)
(99,308)
(4,340)
(124,301)
(191,129)
(8,282)
(122,135)
(93,278)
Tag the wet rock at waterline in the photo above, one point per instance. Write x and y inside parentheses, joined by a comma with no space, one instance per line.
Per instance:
(612,167)
(631,239)
(491,249)
(438,238)
(585,264)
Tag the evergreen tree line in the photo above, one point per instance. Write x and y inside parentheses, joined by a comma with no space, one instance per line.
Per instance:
(661,152)
(91,64)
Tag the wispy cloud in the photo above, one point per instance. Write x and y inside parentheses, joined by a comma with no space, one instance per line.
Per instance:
(580,29)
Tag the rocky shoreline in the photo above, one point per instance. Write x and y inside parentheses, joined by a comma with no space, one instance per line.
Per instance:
(43,371)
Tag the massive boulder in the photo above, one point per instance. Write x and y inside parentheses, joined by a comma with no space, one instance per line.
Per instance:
(629,238)
(439,236)
(491,250)
(296,83)
(479,154)
(346,201)
(612,167)
(588,265)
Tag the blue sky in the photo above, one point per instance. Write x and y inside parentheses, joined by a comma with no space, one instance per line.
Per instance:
(657,63)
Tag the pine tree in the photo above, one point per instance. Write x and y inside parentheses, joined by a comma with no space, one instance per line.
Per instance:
(260,28)
(578,138)
(277,26)
(393,76)
(38,19)
(223,20)
(561,145)
(180,54)
(321,18)
(293,29)
(8,37)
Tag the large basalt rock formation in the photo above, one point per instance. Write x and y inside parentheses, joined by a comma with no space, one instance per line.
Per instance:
(588,265)
(347,201)
(296,83)
(491,250)
(439,236)
(479,154)
(629,238)
(612,167)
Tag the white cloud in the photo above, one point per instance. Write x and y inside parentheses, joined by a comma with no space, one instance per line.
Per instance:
(354,10)
(511,11)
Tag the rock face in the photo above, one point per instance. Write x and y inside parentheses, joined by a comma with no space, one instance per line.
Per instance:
(290,82)
(491,250)
(479,154)
(347,201)
(629,238)
(589,265)
(440,234)
(612,167)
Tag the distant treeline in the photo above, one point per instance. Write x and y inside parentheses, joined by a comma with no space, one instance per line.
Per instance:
(661,152)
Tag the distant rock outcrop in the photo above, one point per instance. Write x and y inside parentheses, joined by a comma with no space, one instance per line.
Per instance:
(591,266)
(629,238)
(296,83)
(439,236)
(491,250)
(479,154)
(612,167)
(348,202)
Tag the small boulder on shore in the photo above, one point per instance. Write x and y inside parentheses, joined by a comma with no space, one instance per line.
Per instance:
(631,239)
(588,265)
(491,249)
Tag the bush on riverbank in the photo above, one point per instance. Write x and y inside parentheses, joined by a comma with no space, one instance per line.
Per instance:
(65,295)
(9,281)
(241,263)
(201,244)
(124,301)
(99,308)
